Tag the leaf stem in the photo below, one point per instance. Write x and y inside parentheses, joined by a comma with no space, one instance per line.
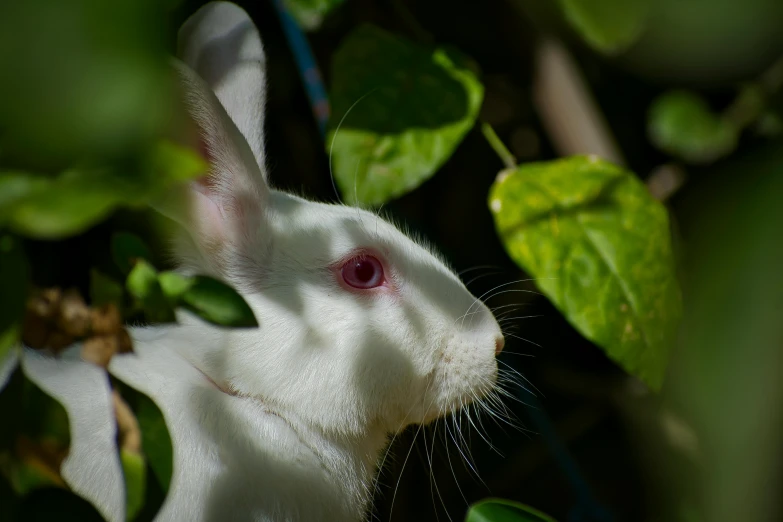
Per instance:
(498,146)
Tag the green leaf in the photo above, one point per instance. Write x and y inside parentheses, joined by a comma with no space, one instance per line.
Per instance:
(310,13)
(610,26)
(14,187)
(727,383)
(168,163)
(174,285)
(142,283)
(682,124)
(499,510)
(104,289)
(599,247)
(134,470)
(126,248)
(35,436)
(218,303)
(69,203)
(13,282)
(155,439)
(405,107)
(92,79)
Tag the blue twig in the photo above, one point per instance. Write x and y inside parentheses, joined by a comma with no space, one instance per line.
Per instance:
(308,69)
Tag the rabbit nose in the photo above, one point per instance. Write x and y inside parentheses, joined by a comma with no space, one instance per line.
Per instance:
(500,342)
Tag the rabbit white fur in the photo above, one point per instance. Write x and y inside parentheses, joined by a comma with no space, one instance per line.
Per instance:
(288,421)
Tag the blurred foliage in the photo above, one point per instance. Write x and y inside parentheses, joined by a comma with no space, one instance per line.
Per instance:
(406,108)
(134,473)
(13,281)
(608,25)
(682,124)
(310,13)
(599,247)
(80,68)
(53,207)
(89,126)
(35,439)
(494,510)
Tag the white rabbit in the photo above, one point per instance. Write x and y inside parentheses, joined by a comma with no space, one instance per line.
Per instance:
(362,330)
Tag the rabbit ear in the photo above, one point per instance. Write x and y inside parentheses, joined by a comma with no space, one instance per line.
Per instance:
(223,211)
(222,45)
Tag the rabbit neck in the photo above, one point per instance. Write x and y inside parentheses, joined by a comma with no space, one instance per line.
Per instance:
(341,468)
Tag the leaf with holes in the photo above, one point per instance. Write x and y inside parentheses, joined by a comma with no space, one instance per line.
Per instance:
(404,110)
(599,247)
(500,510)
(610,26)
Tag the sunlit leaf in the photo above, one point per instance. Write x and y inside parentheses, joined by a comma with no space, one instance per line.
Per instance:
(13,282)
(142,283)
(498,510)
(682,124)
(174,285)
(218,303)
(405,107)
(310,13)
(126,248)
(609,26)
(134,471)
(599,246)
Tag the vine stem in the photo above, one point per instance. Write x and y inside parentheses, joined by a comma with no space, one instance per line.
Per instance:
(498,146)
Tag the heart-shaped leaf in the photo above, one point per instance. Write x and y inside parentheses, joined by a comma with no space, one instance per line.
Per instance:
(682,124)
(599,247)
(400,111)
(499,510)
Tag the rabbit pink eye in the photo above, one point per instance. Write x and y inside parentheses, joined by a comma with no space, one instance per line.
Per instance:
(363,272)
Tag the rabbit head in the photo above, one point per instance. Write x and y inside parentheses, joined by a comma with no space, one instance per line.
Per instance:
(361,327)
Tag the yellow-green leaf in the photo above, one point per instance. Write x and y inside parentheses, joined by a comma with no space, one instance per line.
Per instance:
(134,470)
(599,247)
(142,283)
